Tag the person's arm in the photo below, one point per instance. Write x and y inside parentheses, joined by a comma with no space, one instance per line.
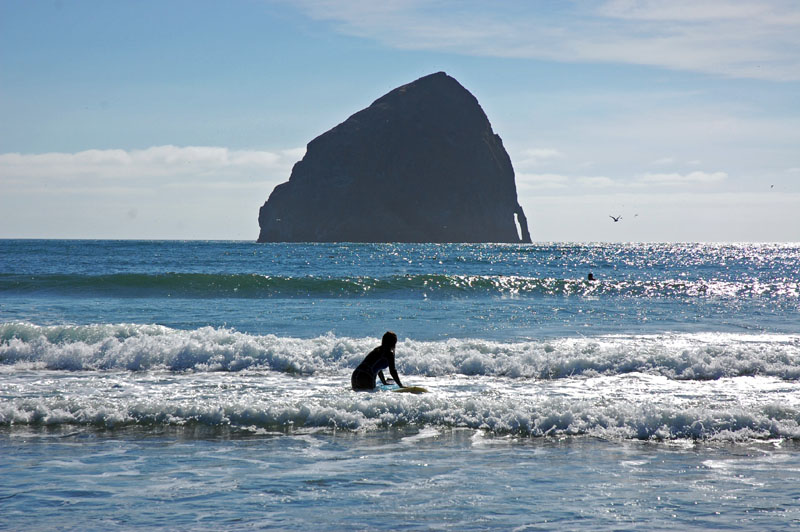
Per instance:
(383,380)
(393,370)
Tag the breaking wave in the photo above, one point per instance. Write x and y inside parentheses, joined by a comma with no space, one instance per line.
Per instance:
(716,386)
(136,347)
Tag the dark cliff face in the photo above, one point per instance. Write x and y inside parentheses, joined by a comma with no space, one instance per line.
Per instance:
(421,164)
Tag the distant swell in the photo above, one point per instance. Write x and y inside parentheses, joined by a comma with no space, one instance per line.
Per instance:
(202,285)
(145,347)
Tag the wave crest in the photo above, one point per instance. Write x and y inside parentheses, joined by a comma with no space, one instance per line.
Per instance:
(145,347)
(498,415)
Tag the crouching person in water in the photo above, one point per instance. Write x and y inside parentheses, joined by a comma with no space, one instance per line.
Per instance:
(377,360)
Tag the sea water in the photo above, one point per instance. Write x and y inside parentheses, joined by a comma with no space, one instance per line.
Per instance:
(197,385)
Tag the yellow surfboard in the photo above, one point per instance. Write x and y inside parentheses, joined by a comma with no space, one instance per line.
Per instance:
(411,389)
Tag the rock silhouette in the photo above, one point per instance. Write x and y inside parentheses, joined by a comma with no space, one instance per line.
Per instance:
(421,164)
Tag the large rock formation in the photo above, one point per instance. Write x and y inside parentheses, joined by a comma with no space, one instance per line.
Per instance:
(421,164)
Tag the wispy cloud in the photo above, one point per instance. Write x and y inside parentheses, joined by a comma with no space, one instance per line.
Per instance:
(692,178)
(748,39)
(537,182)
(158,192)
(527,181)
(537,157)
(686,10)
(583,184)
(169,164)
(597,182)
(664,215)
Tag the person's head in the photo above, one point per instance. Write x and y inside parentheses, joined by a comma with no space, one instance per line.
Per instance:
(389,340)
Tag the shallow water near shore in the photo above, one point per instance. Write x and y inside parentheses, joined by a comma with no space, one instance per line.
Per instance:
(189,385)
(458,479)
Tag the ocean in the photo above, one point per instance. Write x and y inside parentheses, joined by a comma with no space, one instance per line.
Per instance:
(190,385)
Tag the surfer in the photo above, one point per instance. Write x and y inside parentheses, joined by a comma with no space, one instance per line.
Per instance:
(377,360)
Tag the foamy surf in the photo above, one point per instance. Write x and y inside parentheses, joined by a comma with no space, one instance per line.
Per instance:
(700,356)
(633,406)
(689,386)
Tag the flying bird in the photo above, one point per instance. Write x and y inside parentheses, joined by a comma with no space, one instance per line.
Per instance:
(615,218)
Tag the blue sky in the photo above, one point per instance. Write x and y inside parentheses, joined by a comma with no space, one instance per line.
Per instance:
(176,119)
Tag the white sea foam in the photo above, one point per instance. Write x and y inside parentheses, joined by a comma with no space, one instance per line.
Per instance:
(620,407)
(688,386)
(147,347)
(700,386)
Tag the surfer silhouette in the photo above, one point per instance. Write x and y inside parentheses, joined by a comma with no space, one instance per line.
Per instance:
(377,360)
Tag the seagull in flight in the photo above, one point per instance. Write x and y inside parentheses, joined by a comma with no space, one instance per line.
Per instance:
(615,218)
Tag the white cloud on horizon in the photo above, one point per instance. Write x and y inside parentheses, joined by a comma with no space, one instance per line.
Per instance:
(676,179)
(158,192)
(169,164)
(537,157)
(664,216)
(171,203)
(746,39)
(597,182)
(528,182)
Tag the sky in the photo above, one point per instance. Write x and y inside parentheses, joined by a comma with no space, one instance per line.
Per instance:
(176,119)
